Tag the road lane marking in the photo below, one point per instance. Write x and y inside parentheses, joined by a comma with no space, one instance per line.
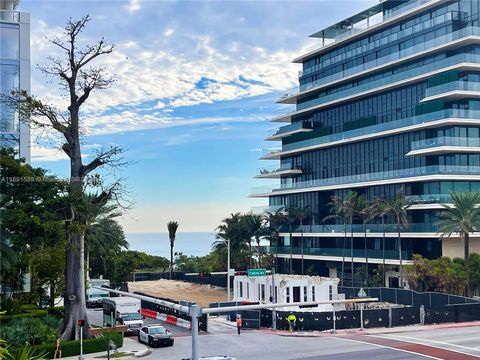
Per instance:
(391,348)
(418,341)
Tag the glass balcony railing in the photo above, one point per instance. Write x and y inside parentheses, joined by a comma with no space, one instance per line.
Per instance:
(413,50)
(8,15)
(339,252)
(272,209)
(428,199)
(293,128)
(358,228)
(445,141)
(270,170)
(367,177)
(404,75)
(452,86)
(396,124)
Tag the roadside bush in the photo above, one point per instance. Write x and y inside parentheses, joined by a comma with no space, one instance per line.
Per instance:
(29,314)
(72,348)
(57,311)
(11,306)
(28,331)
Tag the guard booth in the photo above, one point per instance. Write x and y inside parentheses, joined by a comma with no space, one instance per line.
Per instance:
(250,318)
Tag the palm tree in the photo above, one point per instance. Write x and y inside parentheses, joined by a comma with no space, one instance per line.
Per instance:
(275,222)
(397,207)
(172,227)
(230,231)
(367,212)
(462,218)
(381,211)
(257,228)
(344,209)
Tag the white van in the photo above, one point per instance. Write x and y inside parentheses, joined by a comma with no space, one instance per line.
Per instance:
(123,310)
(94,296)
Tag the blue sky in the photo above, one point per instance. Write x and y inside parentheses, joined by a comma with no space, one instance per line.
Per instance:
(197,84)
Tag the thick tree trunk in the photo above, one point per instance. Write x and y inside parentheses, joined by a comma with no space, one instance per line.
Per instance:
(75,307)
(74,301)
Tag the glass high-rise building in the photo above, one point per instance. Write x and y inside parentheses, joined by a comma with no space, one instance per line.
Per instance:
(14,74)
(388,101)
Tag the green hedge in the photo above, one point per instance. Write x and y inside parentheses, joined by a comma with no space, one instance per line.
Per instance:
(30,313)
(72,348)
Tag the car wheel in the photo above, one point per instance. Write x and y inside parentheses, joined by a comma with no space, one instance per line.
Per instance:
(149,342)
(139,339)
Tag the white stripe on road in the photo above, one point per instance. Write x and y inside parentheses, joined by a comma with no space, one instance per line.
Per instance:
(391,348)
(420,340)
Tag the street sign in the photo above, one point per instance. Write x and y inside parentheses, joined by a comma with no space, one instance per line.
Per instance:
(231,272)
(256,272)
(362,293)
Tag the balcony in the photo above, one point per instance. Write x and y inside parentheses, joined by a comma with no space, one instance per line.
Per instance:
(387,82)
(367,179)
(336,252)
(459,36)
(387,128)
(9,16)
(296,127)
(444,145)
(272,209)
(428,199)
(453,90)
(339,229)
(375,17)
(278,171)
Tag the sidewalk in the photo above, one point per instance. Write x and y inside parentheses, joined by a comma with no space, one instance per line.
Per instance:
(129,346)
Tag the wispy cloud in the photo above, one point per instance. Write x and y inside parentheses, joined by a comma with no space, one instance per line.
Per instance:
(133,6)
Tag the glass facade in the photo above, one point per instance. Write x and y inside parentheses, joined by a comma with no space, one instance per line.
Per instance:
(9,80)
(379,107)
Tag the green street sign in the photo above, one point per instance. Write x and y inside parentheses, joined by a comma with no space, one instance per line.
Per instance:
(256,272)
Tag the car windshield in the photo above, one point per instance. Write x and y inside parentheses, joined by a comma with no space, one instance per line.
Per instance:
(157,330)
(131,316)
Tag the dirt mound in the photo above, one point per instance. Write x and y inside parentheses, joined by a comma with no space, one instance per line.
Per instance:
(202,295)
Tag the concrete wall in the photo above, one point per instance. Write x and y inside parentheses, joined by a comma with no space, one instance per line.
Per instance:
(453,247)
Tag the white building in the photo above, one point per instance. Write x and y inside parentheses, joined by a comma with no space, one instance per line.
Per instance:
(14,74)
(288,289)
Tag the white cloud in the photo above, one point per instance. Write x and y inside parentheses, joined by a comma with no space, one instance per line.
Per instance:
(168,32)
(148,72)
(133,6)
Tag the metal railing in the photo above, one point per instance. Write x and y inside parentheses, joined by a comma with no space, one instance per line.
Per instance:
(445,141)
(338,252)
(369,177)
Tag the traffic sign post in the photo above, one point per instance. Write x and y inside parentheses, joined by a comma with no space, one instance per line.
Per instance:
(256,272)
(81,324)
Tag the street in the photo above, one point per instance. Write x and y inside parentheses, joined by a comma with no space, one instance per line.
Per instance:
(409,343)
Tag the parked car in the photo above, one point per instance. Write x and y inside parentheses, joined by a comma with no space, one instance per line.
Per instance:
(155,335)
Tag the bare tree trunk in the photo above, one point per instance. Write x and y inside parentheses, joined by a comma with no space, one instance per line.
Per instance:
(301,241)
(259,254)
(171,259)
(466,254)
(87,264)
(384,274)
(75,307)
(400,254)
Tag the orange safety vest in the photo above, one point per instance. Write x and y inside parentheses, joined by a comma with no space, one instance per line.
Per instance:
(239,322)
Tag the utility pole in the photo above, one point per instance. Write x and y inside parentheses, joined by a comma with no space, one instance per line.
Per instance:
(195,312)
(274,300)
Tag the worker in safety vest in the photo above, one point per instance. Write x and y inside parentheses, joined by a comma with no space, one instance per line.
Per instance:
(239,324)
(292,320)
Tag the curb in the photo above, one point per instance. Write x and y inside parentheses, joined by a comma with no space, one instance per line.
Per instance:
(142,353)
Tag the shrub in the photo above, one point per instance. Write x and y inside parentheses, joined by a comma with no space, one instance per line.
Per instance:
(57,311)
(11,306)
(72,348)
(30,314)
(29,331)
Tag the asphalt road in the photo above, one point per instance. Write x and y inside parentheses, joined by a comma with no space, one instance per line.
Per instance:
(448,344)
(95,317)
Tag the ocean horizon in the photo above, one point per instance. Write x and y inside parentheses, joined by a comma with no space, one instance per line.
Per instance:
(158,243)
